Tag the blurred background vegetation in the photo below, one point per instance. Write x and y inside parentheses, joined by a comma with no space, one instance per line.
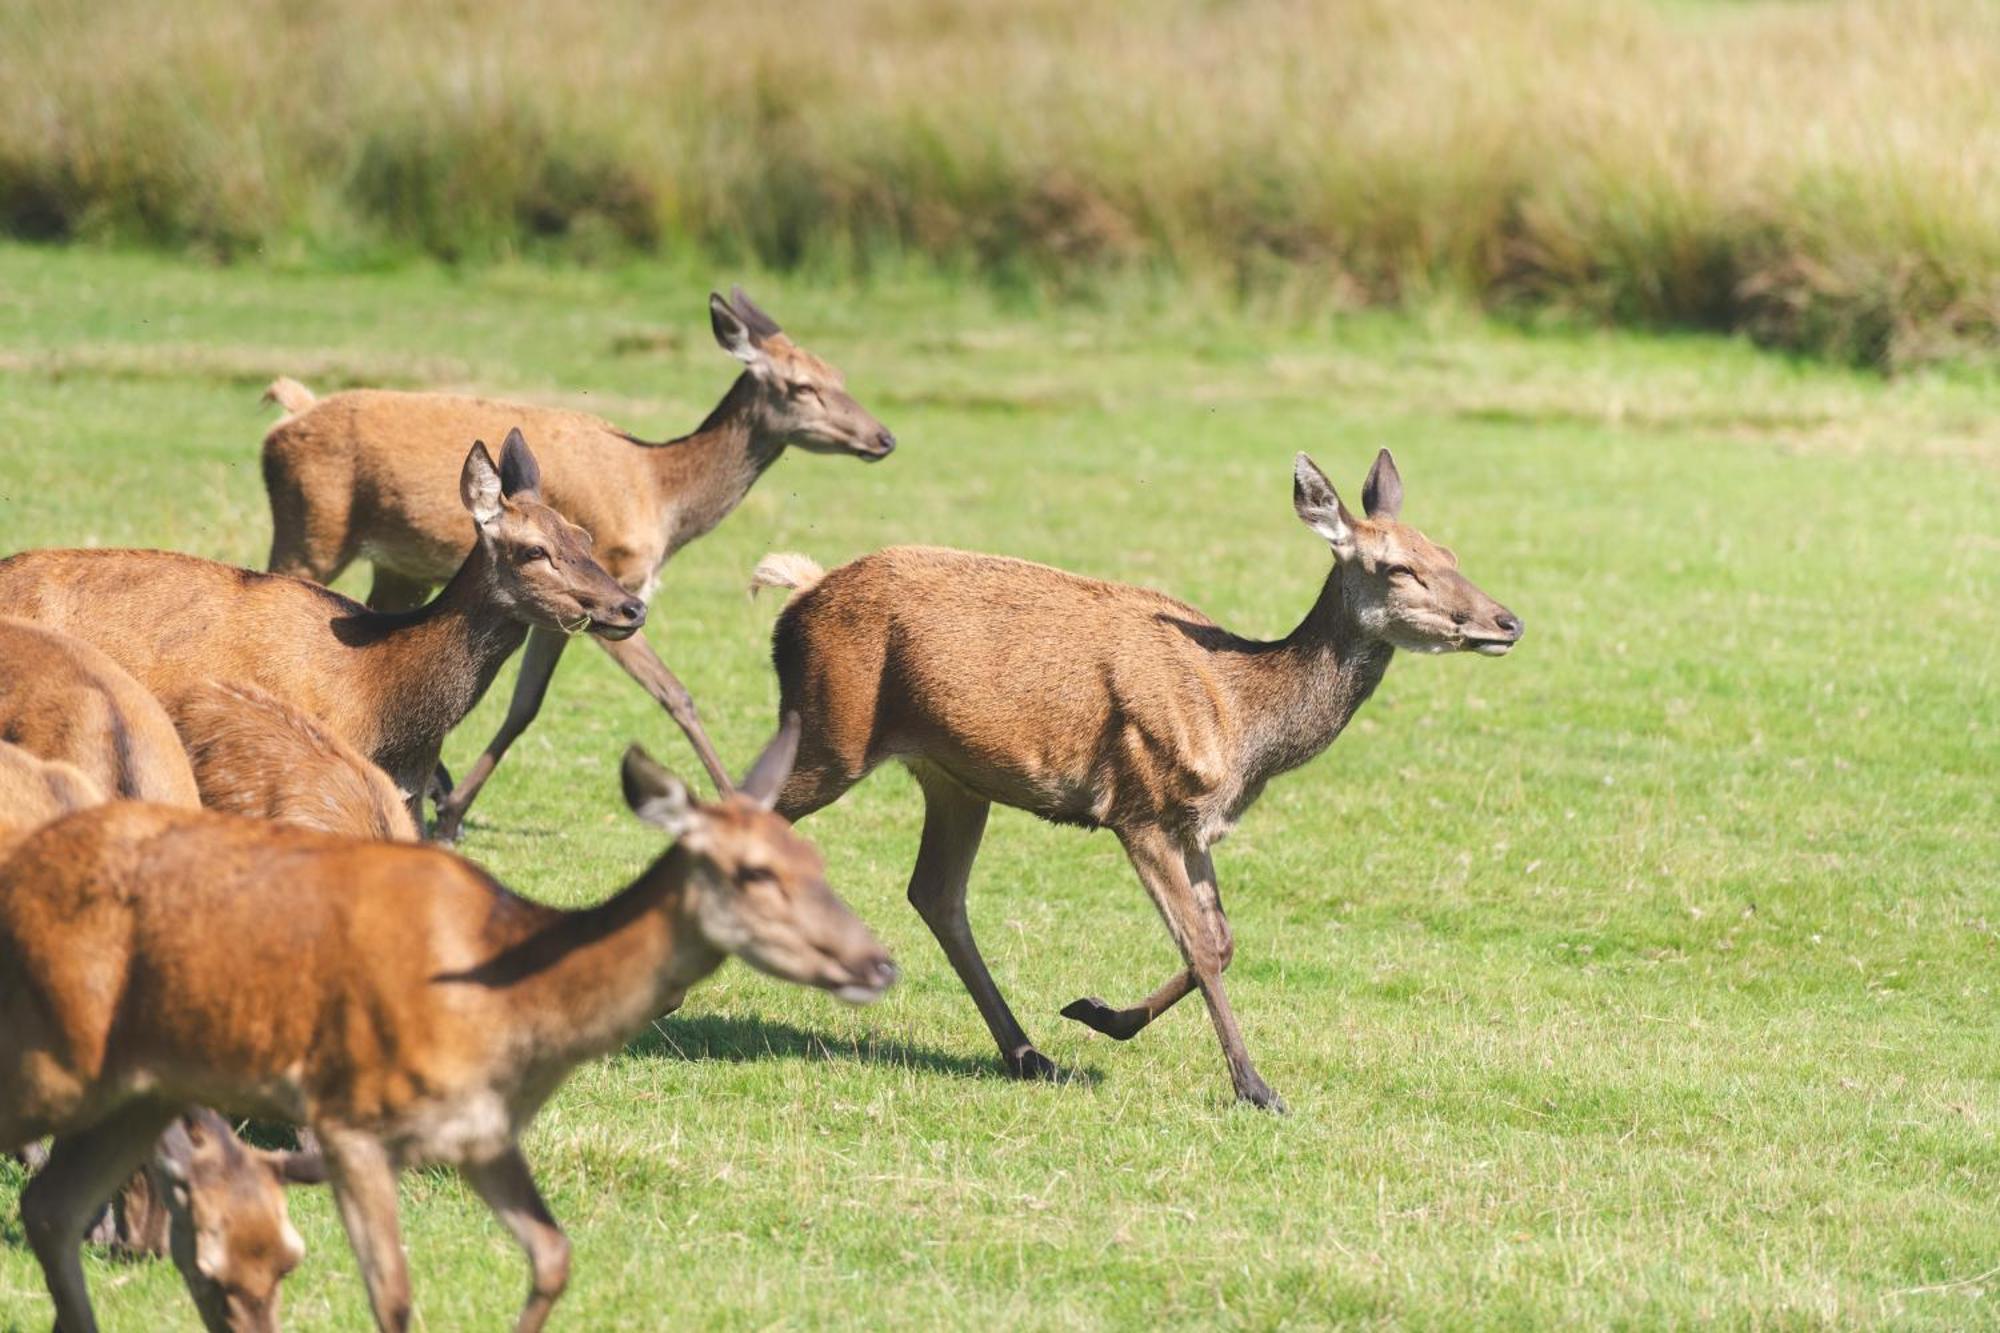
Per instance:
(1821,176)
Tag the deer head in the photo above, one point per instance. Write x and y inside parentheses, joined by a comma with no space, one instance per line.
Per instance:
(543,570)
(797,399)
(1401,587)
(231,1234)
(757,889)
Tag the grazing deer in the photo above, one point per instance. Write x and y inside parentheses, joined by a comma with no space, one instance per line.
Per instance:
(390,684)
(257,755)
(1101,705)
(62,699)
(365,474)
(214,1204)
(393,998)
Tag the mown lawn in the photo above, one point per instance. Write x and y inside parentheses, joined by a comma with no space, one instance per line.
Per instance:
(1645,977)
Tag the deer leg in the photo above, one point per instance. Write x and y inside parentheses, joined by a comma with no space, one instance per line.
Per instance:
(391,591)
(538,664)
(642,664)
(1125,1024)
(1163,868)
(509,1190)
(954,821)
(364,1189)
(63,1199)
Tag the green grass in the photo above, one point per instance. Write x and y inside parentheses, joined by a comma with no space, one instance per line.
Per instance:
(1644,978)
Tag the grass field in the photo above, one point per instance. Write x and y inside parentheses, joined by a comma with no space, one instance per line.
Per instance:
(1643,978)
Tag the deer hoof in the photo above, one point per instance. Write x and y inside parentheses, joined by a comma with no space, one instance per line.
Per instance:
(1258,1093)
(1118,1024)
(1030,1065)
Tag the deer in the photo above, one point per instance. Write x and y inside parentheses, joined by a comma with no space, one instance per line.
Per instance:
(254,754)
(61,699)
(212,1203)
(1101,705)
(389,684)
(392,997)
(363,473)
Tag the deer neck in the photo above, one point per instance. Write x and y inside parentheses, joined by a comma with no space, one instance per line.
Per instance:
(430,666)
(703,476)
(581,983)
(1301,692)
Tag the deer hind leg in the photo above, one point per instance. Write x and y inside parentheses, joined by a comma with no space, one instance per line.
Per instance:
(364,1189)
(508,1188)
(531,686)
(63,1199)
(309,539)
(1163,869)
(954,822)
(1125,1024)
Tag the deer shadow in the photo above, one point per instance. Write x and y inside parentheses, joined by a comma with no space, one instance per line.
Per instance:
(741,1039)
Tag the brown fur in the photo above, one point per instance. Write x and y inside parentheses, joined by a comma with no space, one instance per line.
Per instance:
(63,699)
(367,474)
(34,790)
(1099,704)
(257,755)
(389,685)
(393,998)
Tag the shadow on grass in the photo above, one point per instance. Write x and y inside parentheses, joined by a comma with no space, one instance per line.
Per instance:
(741,1039)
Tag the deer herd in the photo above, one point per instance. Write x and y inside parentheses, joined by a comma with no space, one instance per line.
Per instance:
(216,905)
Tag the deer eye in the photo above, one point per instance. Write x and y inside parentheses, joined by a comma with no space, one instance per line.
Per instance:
(1397,571)
(801,389)
(756,875)
(534,553)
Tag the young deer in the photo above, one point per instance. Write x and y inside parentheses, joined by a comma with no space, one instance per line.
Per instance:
(214,1204)
(1101,705)
(256,755)
(364,474)
(390,684)
(62,699)
(393,998)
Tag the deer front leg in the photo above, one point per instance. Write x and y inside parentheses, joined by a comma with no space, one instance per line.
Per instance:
(64,1197)
(538,664)
(509,1190)
(1125,1024)
(642,664)
(1163,869)
(364,1189)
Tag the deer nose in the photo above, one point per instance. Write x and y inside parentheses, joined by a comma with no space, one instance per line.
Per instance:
(1509,623)
(885,441)
(632,609)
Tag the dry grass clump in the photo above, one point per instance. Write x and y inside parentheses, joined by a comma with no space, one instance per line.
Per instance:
(1821,175)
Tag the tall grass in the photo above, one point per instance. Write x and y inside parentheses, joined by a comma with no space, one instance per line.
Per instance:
(1823,175)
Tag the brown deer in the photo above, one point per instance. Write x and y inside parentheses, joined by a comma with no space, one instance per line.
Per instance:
(389,684)
(393,998)
(365,474)
(1101,705)
(257,755)
(216,1205)
(62,699)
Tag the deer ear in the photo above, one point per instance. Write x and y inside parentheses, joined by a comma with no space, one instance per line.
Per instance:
(766,777)
(520,474)
(479,485)
(732,333)
(1382,493)
(295,1168)
(760,324)
(1319,507)
(657,796)
(174,1154)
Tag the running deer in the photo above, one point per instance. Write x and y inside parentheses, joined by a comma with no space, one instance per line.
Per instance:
(62,699)
(389,684)
(1105,706)
(393,998)
(257,755)
(365,474)
(214,1204)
